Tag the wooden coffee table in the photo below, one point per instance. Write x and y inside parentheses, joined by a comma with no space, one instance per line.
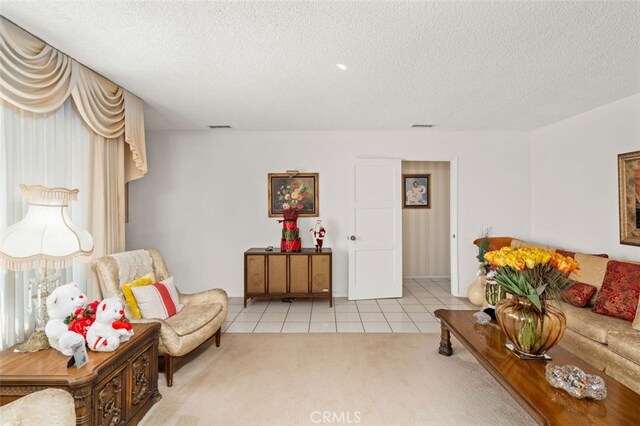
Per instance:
(526,382)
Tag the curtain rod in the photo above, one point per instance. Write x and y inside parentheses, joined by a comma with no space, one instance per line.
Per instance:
(48,44)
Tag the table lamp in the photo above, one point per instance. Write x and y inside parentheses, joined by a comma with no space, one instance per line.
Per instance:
(44,239)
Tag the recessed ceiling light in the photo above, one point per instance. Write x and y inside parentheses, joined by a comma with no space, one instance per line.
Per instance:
(423,125)
(343,67)
(216,126)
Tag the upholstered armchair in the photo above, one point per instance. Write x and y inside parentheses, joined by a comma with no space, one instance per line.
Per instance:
(200,319)
(45,407)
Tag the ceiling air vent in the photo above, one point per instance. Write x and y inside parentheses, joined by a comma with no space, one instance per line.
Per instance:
(214,126)
(424,126)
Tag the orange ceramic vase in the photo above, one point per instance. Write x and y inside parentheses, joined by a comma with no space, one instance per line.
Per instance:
(531,332)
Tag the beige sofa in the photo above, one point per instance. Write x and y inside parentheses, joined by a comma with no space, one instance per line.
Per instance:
(200,319)
(609,344)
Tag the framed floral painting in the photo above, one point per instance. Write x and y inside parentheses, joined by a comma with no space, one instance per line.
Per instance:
(299,191)
(629,197)
(417,191)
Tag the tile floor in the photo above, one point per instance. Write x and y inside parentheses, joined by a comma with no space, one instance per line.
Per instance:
(413,313)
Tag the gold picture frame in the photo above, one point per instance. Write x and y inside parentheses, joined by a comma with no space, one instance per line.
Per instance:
(629,197)
(298,190)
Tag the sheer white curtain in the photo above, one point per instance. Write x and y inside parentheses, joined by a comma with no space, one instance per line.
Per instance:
(50,149)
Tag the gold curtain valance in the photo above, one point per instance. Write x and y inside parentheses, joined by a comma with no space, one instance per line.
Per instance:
(38,78)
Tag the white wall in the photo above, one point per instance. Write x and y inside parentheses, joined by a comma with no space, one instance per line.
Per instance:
(204,200)
(575,178)
(426,233)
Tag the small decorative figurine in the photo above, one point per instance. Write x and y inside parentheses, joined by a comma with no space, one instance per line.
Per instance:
(318,234)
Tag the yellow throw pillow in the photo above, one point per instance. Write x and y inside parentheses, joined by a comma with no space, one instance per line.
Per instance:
(128,294)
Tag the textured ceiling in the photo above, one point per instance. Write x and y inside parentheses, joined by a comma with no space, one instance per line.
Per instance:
(271,65)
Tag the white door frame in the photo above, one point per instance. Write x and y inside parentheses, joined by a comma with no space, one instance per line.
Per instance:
(453,214)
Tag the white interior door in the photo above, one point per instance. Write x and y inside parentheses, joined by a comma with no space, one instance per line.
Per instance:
(375,239)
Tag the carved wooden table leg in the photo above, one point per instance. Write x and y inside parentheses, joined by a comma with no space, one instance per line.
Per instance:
(445,341)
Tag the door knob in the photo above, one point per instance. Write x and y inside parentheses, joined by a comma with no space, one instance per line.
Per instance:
(352,238)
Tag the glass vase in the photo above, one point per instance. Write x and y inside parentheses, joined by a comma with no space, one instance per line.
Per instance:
(532,332)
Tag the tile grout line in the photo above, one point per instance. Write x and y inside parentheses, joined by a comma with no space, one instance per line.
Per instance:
(427,287)
(259,319)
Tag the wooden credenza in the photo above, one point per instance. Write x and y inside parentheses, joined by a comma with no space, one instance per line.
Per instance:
(276,274)
(113,388)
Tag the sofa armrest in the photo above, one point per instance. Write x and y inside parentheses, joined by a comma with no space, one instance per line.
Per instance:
(216,295)
(147,321)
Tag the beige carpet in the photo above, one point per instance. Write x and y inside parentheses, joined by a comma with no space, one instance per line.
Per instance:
(367,379)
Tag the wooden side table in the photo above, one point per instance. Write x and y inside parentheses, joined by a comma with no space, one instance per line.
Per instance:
(276,274)
(112,388)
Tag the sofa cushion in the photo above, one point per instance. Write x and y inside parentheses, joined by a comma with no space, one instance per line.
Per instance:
(620,291)
(158,300)
(636,321)
(578,294)
(193,317)
(592,271)
(593,326)
(524,244)
(147,279)
(572,254)
(626,345)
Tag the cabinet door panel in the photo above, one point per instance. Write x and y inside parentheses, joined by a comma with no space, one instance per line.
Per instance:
(299,273)
(139,381)
(277,274)
(320,273)
(109,400)
(255,274)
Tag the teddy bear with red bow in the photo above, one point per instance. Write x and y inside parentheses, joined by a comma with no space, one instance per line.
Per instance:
(110,327)
(62,305)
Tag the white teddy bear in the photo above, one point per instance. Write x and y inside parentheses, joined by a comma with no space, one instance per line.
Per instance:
(62,303)
(107,332)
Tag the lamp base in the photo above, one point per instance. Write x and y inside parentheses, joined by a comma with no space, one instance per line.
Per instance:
(39,288)
(36,342)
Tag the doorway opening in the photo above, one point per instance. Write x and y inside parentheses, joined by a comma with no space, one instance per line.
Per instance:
(427,231)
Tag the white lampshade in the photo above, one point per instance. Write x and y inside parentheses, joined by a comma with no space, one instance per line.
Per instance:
(45,238)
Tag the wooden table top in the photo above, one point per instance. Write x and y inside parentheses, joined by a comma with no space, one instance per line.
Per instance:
(51,366)
(526,381)
(260,250)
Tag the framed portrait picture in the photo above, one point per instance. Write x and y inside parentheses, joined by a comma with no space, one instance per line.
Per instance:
(417,191)
(299,191)
(629,197)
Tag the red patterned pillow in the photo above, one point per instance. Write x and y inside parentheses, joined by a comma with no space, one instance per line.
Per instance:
(620,291)
(578,294)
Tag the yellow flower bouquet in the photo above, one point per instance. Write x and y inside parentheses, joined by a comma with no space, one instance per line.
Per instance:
(533,273)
